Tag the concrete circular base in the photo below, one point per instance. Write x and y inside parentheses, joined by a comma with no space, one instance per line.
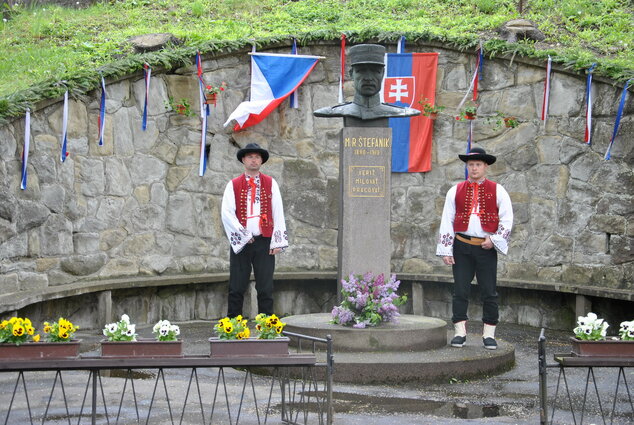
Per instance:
(411,333)
(391,365)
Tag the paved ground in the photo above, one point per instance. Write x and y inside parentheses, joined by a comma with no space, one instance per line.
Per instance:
(508,398)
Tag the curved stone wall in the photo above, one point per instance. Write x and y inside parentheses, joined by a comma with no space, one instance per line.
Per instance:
(137,207)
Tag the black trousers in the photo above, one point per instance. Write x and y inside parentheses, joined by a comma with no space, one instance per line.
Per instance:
(255,254)
(474,260)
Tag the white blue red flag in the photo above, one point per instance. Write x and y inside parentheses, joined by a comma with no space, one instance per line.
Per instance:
(101,120)
(293,99)
(617,122)
(204,113)
(546,99)
(588,135)
(273,78)
(25,150)
(411,77)
(64,140)
(147,73)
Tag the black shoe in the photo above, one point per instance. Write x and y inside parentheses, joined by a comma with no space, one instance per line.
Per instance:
(458,341)
(490,344)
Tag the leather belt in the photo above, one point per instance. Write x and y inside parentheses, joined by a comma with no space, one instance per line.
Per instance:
(472,241)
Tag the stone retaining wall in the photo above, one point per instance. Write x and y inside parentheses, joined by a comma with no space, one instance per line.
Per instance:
(137,207)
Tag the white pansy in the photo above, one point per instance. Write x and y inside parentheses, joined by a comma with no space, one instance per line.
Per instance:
(125,318)
(176,330)
(604,329)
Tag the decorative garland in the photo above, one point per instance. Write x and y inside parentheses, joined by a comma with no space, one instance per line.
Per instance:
(81,83)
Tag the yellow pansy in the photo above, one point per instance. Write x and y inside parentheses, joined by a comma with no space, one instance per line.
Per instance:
(36,338)
(18,330)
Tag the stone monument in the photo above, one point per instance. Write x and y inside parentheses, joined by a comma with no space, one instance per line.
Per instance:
(365,164)
(416,347)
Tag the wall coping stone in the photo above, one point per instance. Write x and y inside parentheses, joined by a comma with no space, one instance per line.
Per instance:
(13,302)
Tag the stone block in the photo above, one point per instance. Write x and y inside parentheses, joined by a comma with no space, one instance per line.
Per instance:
(29,281)
(119,267)
(176,176)
(9,283)
(146,169)
(180,213)
(566,95)
(86,243)
(7,231)
(187,246)
(9,145)
(578,274)
(622,249)
(109,212)
(31,215)
(54,197)
(417,266)
(56,236)
(117,178)
(111,238)
(156,264)
(92,177)
(327,258)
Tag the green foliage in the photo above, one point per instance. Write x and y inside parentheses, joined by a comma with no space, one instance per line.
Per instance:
(45,45)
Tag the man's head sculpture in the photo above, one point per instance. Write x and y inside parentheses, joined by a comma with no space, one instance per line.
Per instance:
(368,68)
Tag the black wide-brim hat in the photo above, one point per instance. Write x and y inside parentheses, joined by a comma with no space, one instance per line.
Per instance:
(253,147)
(478,154)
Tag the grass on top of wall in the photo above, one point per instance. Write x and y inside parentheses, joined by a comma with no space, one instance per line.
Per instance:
(46,48)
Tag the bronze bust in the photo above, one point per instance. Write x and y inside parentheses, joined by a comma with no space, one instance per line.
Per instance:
(368,68)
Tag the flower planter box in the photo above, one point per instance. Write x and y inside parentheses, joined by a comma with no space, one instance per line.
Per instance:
(40,350)
(607,348)
(248,347)
(142,348)
(211,98)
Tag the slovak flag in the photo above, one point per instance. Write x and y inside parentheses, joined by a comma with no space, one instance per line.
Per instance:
(273,78)
(410,78)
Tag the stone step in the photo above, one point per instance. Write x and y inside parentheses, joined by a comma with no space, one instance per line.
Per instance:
(409,351)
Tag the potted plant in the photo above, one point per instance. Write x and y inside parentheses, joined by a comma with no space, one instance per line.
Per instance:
(500,119)
(429,109)
(212,92)
(234,337)
(468,112)
(368,300)
(18,340)
(163,330)
(268,327)
(181,107)
(17,331)
(122,340)
(590,338)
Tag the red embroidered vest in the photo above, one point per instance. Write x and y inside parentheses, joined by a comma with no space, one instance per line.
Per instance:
(487,199)
(240,190)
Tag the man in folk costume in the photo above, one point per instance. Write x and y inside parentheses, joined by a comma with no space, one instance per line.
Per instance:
(253,218)
(476,224)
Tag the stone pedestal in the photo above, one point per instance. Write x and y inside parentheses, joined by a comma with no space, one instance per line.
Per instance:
(364,216)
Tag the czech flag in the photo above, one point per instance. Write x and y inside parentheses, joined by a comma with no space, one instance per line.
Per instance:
(273,78)
(410,78)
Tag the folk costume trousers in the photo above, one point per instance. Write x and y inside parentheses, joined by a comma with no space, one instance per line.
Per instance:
(254,255)
(470,261)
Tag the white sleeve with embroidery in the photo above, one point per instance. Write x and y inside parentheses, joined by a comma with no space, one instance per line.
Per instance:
(237,234)
(446,234)
(279,238)
(501,237)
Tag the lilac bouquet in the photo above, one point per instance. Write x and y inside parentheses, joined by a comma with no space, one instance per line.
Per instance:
(368,300)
